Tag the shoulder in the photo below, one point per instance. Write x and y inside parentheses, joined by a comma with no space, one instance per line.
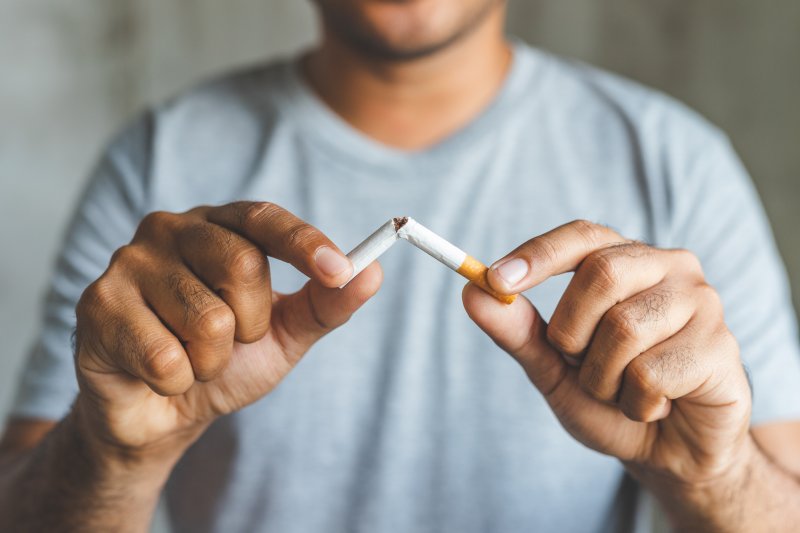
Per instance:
(613,107)
(245,97)
(583,87)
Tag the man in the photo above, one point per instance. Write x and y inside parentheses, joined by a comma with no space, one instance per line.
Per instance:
(188,346)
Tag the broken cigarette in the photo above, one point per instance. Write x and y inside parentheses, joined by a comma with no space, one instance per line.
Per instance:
(427,241)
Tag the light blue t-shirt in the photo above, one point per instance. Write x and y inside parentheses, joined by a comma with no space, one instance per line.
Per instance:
(409,419)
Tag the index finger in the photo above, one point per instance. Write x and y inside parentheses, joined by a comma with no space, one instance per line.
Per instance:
(556,252)
(282,235)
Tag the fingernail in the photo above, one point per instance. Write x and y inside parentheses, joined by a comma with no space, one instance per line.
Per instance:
(512,272)
(331,263)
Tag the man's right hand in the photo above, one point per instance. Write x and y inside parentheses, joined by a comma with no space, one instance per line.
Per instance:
(183,326)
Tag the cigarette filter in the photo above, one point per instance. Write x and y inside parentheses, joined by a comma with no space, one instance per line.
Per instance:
(427,241)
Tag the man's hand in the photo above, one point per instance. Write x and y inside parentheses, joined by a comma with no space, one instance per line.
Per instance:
(637,361)
(183,326)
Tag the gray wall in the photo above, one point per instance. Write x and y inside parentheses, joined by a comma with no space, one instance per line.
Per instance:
(73,72)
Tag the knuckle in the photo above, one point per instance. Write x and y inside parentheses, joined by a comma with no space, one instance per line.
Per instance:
(249,265)
(153,224)
(584,227)
(201,234)
(642,376)
(590,232)
(254,214)
(710,300)
(254,332)
(98,299)
(603,271)
(299,236)
(193,297)
(630,250)
(126,255)
(164,361)
(636,411)
(622,323)
(216,323)
(590,379)
(550,249)
(563,339)
(689,260)
(726,342)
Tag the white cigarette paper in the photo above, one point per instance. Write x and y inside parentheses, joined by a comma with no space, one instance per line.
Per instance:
(372,248)
(432,244)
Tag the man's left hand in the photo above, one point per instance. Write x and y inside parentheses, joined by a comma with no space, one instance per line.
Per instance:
(637,361)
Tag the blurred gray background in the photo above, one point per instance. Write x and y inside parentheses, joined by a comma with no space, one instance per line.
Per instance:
(71,73)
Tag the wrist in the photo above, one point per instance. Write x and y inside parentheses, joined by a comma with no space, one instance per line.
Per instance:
(708,503)
(147,465)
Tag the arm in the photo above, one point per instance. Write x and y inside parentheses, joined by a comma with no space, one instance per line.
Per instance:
(53,477)
(183,327)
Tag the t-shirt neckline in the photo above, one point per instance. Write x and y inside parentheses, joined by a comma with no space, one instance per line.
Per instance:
(321,126)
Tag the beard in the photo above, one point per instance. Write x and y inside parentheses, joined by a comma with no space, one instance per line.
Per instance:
(400,30)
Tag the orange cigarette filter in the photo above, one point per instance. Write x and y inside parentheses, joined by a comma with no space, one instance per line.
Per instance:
(476,272)
(449,254)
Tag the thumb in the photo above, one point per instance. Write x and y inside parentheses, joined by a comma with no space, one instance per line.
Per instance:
(519,330)
(301,319)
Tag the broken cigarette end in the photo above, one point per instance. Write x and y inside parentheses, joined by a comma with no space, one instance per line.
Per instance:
(476,272)
(399,222)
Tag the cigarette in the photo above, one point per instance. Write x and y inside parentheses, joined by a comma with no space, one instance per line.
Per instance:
(429,242)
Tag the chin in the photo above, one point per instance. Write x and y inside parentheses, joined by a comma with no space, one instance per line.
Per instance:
(403,29)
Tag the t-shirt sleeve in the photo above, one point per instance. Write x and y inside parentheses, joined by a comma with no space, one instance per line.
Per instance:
(106,218)
(719,217)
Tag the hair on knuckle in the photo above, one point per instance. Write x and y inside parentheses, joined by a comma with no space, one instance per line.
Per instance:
(629,249)
(205,234)
(192,296)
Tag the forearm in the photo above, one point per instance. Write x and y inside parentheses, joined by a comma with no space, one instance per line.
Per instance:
(755,495)
(64,484)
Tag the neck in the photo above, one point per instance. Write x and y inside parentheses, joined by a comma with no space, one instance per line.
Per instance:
(412,105)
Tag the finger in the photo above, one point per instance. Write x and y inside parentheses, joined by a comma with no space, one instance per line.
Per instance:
(196,315)
(555,252)
(122,333)
(235,269)
(602,280)
(681,367)
(302,318)
(627,330)
(283,236)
